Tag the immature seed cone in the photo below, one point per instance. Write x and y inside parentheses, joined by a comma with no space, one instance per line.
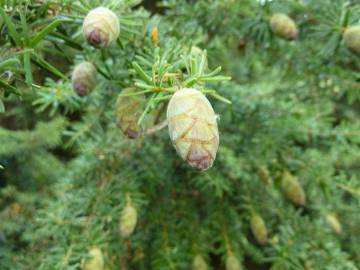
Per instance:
(84,78)
(232,263)
(101,27)
(292,189)
(283,26)
(197,53)
(128,111)
(258,229)
(94,261)
(351,38)
(128,220)
(264,176)
(192,128)
(199,263)
(334,223)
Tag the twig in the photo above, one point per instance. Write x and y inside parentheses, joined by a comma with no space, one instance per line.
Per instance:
(155,128)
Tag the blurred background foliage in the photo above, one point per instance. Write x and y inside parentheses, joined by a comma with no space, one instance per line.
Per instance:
(67,170)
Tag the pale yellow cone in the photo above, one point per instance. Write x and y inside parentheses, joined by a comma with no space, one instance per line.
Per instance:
(258,229)
(193,128)
(128,111)
(283,26)
(334,223)
(94,261)
(84,78)
(264,175)
(197,53)
(101,27)
(232,263)
(199,263)
(128,220)
(351,38)
(292,189)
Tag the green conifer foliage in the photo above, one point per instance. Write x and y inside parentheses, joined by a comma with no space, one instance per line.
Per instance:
(93,180)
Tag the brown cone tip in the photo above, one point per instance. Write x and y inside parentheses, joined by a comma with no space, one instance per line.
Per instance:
(80,89)
(293,36)
(131,133)
(200,162)
(95,38)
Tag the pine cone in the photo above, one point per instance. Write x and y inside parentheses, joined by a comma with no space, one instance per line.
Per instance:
(128,220)
(192,128)
(351,38)
(101,27)
(232,263)
(264,176)
(283,26)
(95,260)
(292,189)
(258,229)
(334,223)
(128,110)
(196,51)
(84,78)
(199,263)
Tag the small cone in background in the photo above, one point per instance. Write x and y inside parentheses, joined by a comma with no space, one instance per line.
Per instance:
(84,78)
(308,265)
(101,27)
(128,220)
(242,43)
(283,26)
(232,263)
(264,175)
(334,223)
(351,37)
(94,261)
(193,128)
(199,263)
(258,229)
(292,189)
(128,111)
(197,53)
